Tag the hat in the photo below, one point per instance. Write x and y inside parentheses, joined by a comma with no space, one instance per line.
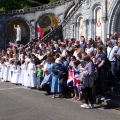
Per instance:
(57,61)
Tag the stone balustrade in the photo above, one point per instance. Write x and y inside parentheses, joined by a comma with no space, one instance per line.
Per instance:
(80,2)
(39,8)
(76,7)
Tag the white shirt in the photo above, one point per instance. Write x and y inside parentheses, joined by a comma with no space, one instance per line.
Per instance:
(64,53)
(110,53)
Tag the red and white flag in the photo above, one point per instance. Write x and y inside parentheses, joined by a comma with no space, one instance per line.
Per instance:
(39,31)
(12,45)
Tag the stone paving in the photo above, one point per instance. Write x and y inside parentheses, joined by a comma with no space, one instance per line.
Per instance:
(20,103)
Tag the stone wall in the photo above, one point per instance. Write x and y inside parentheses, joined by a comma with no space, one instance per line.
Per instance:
(31,17)
(87,11)
(110,19)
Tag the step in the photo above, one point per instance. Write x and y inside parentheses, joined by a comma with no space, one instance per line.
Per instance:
(113,95)
(113,89)
(111,103)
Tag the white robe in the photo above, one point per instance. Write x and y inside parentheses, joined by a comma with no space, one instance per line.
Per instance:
(2,66)
(21,78)
(16,74)
(31,71)
(0,71)
(26,79)
(10,72)
(27,59)
(6,71)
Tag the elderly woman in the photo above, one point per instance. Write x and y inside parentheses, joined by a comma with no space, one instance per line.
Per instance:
(87,79)
(56,71)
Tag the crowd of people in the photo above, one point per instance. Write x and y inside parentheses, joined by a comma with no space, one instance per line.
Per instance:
(83,65)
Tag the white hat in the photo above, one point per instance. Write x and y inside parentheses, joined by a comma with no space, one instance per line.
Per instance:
(57,61)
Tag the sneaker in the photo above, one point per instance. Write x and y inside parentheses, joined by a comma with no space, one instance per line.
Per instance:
(53,96)
(85,106)
(91,106)
(102,98)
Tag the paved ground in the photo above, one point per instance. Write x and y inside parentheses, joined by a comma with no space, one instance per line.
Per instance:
(20,103)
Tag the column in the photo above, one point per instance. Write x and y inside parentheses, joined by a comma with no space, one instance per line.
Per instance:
(94,28)
(90,28)
(32,31)
(85,29)
(77,30)
(104,34)
(73,30)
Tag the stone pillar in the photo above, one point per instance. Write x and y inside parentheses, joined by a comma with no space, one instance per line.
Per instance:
(85,29)
(32,30)
(104,31)
(94,28)
(73,29)
(77,30)
(91,28)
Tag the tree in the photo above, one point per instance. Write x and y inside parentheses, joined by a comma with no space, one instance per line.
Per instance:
(22,4)
(52,1)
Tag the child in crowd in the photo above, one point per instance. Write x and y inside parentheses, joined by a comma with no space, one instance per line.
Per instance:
(16,73)
(22,74)
(11,69)
(6,70)
(76,81)
(26,76)
(39,74)
(2,69)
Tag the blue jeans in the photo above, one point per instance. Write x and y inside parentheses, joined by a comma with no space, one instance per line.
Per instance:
(113,70)
(39,81)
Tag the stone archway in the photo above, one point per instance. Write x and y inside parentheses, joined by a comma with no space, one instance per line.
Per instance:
(47,21)
(113,17)
(117,24)
(11,32)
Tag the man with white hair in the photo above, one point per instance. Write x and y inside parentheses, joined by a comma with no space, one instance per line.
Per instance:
(111,50)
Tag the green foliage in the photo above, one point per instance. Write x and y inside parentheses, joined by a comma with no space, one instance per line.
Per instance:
(2,9)
(52,1)
(22,4)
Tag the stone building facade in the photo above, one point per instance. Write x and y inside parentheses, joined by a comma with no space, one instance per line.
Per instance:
(109,20)
(87,18)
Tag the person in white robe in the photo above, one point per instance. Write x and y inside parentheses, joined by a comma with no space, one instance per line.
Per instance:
(2,66)
(16,73)
(21,78)
(31,73)
(11,69)
(27,59)
(0,70)
(26,77)
(6,70)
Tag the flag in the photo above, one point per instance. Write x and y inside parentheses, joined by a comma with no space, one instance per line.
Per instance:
(39,31)
(73,78)
(12,45)
(70,78)
(76,78)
